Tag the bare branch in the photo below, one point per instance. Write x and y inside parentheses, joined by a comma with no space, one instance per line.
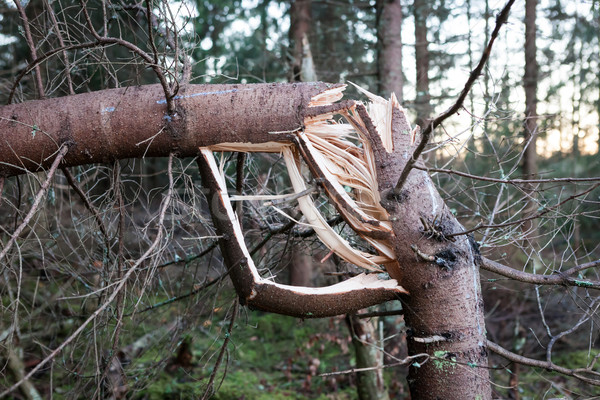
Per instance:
(121,284)
(426,134)
(36,203)
(31,44)
(560,278)
(532,217)
(550,366)
(508,181)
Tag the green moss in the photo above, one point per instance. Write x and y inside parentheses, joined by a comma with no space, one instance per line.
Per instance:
(443,362)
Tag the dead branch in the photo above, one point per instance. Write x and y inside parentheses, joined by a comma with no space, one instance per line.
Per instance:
(36,203)
(578,373)
(532,217)
(559,278)
(507,181)
(209,387)
(426,134)
(119,286)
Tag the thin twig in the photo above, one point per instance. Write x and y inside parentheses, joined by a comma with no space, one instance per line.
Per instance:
(560,278)
(209,388)
(36,203)
(61,42)
(31,44)
(119,287)
(88,204)
(404,361)
(150,33)
(426,134)
(183,296)
(535,216)
(576,373)
(508,181)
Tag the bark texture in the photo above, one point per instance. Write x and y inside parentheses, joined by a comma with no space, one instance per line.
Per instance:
(530,83)
(132,122)
(389,56)
(444,311)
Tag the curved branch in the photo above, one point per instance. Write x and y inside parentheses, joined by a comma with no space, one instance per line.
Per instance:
(560,278)
(349,296)
(548,365)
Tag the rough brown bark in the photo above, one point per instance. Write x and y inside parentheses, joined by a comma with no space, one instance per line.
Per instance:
(132,122)
(389,56)
(422,101)
(444,312)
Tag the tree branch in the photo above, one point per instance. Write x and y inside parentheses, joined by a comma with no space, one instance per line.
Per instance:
(560,278)
(550,366)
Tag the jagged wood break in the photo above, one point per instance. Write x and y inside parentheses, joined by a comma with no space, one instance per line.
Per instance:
(131,122)
(340,156)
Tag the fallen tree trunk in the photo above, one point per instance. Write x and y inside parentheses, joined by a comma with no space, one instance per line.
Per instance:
(132,122)
(444,312)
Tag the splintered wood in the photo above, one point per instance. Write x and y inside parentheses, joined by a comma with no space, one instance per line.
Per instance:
(338,154)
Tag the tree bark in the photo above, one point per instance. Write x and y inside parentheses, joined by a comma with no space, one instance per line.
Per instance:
(133,122)
(389,55)
(444,311)
(423,99)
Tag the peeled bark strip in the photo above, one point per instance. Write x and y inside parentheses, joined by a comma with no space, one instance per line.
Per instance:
(303,302)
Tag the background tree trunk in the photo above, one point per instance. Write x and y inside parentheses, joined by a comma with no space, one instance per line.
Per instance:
(367,344)
(423,99)
(389,41)
(300,23)
(531,128)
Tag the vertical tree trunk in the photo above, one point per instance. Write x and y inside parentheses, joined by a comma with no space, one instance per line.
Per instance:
(422,101)
(300,21)
(301,264)
(531,129)
(367,345)
(444,310)
(389,41)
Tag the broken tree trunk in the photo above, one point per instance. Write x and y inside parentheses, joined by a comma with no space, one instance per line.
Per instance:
(443,312)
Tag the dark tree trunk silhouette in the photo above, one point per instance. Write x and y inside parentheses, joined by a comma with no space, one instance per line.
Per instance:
(300,23)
